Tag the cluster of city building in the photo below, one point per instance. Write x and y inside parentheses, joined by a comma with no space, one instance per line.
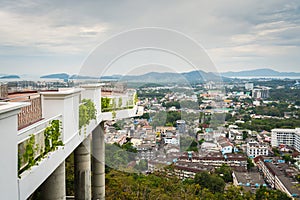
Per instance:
(222,145)
(216,144)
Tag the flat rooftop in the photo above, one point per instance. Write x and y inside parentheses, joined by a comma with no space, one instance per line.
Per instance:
(22,96)
(249,177)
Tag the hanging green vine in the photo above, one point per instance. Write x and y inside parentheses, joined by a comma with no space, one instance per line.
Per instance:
(105,104)
(114,114)
(135,98)
(120,103)
(52,136)
(28,156)
(111,104)
(87,112)
(129,104)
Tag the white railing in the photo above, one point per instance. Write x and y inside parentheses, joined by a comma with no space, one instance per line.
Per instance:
(35,128)
(119,102)
(121,114)
(31,142)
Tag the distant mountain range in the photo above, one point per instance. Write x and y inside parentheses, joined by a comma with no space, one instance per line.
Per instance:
(260,73)
(9,77)
(166,77)
(161,77)
(193,76)
(56,76)
(66,76)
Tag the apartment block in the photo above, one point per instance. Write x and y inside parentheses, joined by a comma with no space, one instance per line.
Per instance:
(260,93)
(257,149)
(276,175)
(289,137)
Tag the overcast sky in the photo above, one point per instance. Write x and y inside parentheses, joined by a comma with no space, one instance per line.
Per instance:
(41,37)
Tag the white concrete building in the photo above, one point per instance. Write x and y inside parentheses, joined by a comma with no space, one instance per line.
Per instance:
(297,140)
(290,137)
(283,136)
(171,140)
(255,149)
(260,93)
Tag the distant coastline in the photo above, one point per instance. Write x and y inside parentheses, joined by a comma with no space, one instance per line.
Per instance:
(161,76)
(265,77)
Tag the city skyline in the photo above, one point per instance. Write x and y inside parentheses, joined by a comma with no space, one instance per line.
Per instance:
(53,37)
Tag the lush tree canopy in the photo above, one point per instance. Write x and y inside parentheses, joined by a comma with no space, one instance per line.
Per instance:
(121,185)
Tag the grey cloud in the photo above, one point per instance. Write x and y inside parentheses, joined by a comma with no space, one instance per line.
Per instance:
(232,29)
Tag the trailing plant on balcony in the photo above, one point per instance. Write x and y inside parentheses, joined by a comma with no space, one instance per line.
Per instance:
(114,104)
(28,155)
(129,104)
(114,114)
(52,136)
(87,112)
(120,102)
(135,98)
(105,104)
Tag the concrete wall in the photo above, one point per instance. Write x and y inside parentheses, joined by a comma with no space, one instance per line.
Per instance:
(8,150)
(64,102)
(93,92)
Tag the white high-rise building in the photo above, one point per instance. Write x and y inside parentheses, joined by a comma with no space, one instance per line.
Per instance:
(260,93)
(290,137)
(297,140)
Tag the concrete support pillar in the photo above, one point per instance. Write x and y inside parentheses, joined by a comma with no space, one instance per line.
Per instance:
(98,163)
(82,162)
(54,188)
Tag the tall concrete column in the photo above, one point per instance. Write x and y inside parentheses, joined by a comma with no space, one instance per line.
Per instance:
(98,163)
(54,188)
(82,162)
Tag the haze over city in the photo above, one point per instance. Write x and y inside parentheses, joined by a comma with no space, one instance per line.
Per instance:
(40,37)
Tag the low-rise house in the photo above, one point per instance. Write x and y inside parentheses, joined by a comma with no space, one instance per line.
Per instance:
(146,151)
(209,146)
(185,170)
(225,145)
(171,138)
(236,161)
(148,129)
(164,129)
